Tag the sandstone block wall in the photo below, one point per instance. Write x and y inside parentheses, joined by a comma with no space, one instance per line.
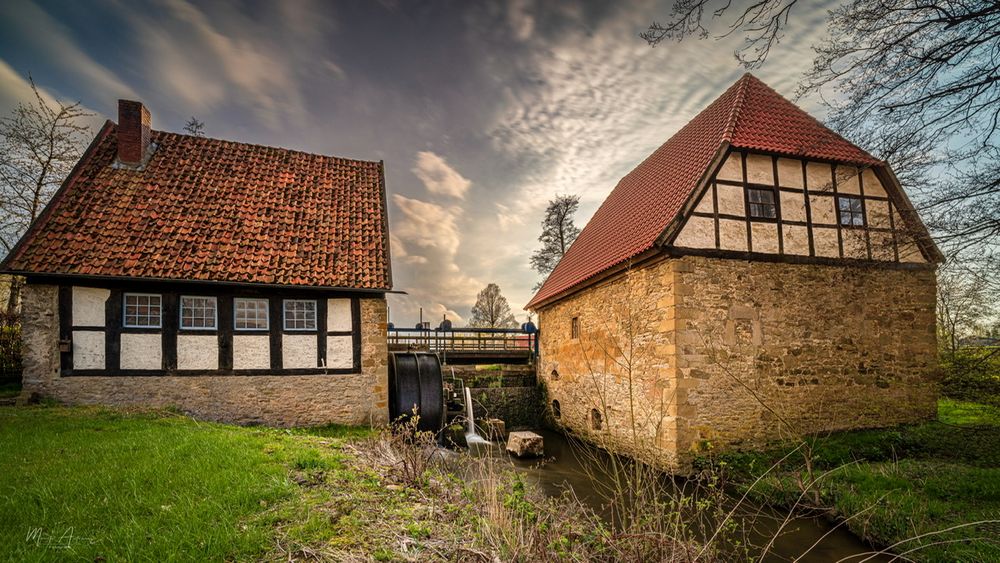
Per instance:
(279,400)
(716,353)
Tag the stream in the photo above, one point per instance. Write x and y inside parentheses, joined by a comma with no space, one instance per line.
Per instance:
(563,467)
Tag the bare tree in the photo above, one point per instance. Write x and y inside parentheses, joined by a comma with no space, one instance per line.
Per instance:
(492,310)
(194,127)
(40,142)
(558,233)
(964,306)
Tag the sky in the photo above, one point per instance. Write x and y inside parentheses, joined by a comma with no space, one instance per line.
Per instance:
(481,111)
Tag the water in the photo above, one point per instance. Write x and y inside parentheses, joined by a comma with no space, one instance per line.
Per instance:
(471,436)
(563,467)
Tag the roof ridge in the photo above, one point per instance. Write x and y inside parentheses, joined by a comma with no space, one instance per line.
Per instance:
(258,145)
(737,107)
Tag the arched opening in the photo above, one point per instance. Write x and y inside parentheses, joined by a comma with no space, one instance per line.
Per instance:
(556,412)
(596,422)
(554,375)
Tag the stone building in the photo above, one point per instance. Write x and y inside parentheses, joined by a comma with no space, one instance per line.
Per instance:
(233,281)
(757,277)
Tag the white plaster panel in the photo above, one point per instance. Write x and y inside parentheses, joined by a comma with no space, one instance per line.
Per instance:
(848,180)
(339,352)
(819,176)
(882,248)
(732,168)
(878,213)
(822,209)
(873,186)
(825,242)
(197,351)
(730,200)
(299,351)
(855,244)
(705,203)
(88,349)
(795,239)
(789,173)
(760,169)
(88,305)
(251,351)
(338,315)
(910,252)
(698,232)
(765,237)
(793,206)
(141,351)
(732,235)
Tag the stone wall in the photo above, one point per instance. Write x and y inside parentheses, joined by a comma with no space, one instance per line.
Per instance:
(280,400)
(726,353)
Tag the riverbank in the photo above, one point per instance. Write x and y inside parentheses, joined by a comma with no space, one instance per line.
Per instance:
(932,491)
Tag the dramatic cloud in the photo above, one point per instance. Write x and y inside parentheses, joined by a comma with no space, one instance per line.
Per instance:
(438,177)
(481,112)
(425,241)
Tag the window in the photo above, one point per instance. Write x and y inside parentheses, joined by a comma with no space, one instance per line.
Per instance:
(142,310)
(850,210)
(556,411)
(300,314)
(197,313)
(250,314)
(762,204)
(574,328)
(596,420)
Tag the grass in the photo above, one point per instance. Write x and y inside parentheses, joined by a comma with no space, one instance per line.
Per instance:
(895,484)
(99,484)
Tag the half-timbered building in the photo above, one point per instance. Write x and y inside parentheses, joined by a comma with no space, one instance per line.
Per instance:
(756,277)
(233,281)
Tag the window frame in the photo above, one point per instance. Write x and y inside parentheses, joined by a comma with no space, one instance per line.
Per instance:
(851,212)
(180,313)
(125,315)
(267,314)
(773,205)
(574,327)
(284,315)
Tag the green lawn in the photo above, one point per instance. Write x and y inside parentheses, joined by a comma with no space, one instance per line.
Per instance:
(95,484)
(892,485)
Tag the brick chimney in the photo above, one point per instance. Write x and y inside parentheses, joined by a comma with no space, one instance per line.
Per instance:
(133,132)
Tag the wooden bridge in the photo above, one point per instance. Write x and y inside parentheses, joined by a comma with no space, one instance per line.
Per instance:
(469,345)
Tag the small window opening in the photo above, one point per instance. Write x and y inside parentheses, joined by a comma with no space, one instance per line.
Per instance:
(762,205)
(574,327)
(556,412)
(554,375)
(851,212)
(595,419)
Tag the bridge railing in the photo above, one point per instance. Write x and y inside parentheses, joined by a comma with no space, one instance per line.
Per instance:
(483,341)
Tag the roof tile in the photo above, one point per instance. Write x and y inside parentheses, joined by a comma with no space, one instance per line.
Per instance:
(212,210)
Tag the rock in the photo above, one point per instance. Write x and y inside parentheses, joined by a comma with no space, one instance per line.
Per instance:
(455,436)
(495,429)
(525,444)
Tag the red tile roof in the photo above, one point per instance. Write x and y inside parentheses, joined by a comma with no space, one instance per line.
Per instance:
(212,210)
(748,115)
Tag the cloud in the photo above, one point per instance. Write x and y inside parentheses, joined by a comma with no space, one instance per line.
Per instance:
(521,21)
(212,59)
(426,237)
(50,40)
(438,177)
